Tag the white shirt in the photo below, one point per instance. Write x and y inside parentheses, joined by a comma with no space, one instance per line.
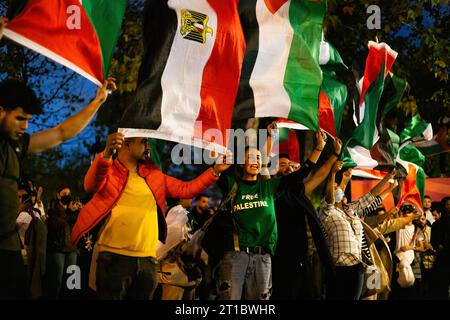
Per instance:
(405,237)
(177,230)
(429,216)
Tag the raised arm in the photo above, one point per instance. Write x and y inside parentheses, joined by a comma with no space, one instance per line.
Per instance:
(321,141)
(329,193)
(98,170)
(392,225)
(346,177)
(378,189)
(189,189)
(3,21)
(320,175)
(267,150)
(388,190)
(51,138)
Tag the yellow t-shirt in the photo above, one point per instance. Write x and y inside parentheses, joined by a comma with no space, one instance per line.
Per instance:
(132,226)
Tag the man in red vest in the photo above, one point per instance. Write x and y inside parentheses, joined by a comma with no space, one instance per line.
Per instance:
(129,195)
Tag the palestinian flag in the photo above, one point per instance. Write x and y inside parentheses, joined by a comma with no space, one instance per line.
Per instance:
(439,143)
(417,130)
(378,65)
(332,96)
(399,86)
(287,144)
(420,133)
(375,162)
(281,76)
(80,35)
(370,129)
(190,73)
(413,185)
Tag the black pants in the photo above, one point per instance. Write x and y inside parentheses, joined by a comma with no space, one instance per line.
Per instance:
(346,284)
(120,277)
(13,276)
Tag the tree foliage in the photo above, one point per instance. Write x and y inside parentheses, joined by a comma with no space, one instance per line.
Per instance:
(416,29)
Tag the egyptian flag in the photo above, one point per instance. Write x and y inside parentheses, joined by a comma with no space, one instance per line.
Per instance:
(80,35)
(190,73)
(281,76)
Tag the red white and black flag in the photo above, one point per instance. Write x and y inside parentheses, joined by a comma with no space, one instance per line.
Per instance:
(190,72)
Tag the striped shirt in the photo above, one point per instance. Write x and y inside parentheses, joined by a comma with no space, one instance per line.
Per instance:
(344,231)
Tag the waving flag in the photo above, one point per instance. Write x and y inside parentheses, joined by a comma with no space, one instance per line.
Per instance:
(332,96)
(422,136)
(281,76)
(413,185)
(190,72)
(417,130)
(358,149)
(80,35)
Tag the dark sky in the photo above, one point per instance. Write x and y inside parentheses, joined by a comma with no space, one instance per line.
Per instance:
(78,87)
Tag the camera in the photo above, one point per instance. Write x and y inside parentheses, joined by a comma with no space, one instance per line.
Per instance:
(407,208)
(26,198)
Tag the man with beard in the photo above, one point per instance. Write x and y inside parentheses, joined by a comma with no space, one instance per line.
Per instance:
(130,192)
(200,213)
(427,259)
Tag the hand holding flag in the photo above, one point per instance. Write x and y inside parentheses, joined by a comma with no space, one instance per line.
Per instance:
(347,175)
(321,138)
(223,162)
(108,87)
(337,144)
(337,167)
(113,144)
(3,22)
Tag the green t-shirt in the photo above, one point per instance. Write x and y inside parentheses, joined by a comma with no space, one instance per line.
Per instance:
(254,213)
(11,153)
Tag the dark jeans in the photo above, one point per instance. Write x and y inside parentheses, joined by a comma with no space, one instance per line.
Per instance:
(55,274)
(120,277)
(13,276)
(346,284)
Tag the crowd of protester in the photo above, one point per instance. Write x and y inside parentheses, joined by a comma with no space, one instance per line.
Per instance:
(266,240)
(281,249)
